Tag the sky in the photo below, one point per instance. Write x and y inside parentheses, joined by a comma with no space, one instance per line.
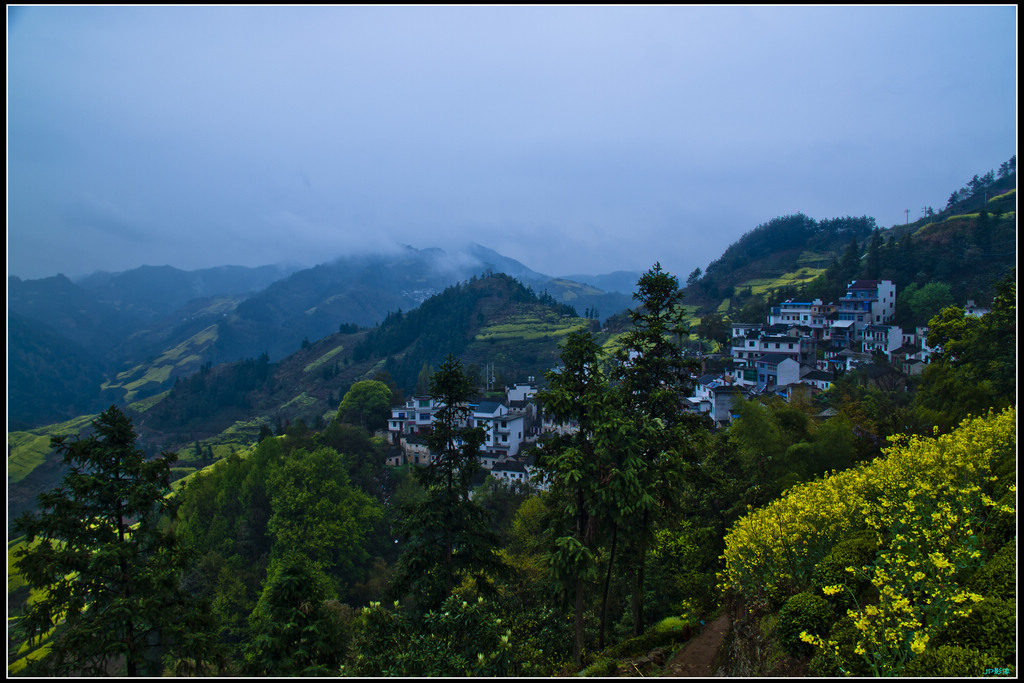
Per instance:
(573,139)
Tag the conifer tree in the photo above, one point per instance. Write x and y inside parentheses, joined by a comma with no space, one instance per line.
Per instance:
(576,470)
(448,536)
(106,568)
(654,379)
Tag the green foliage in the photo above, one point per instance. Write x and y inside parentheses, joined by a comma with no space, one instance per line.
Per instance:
(445,325)
(925,302)
(975,366)
(194,399)
(998,578)
(667,632)
(106,565)
(315,511)
(857,550)
(447,535)
(778,446)
(952,661)
(367,404)
(460,638)
(578,469)
(501,499)
(298,628)
(803,612)
(989,628)
(841,657)
(653,379)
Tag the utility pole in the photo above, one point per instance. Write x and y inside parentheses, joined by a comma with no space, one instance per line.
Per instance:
(908,216)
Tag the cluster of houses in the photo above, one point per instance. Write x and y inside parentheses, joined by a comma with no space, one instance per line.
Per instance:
(510,426)
(800,349)
(804,346)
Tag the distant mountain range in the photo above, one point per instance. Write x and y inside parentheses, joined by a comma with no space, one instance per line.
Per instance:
(124,337)
(146,327)
(208,358)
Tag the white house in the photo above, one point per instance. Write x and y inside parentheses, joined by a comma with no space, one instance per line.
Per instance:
(868,302)
(775,369)
(882,339)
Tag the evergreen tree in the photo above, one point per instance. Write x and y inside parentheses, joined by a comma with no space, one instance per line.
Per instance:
(448,536)
(578,468)
(654,380)
(873,258)
(299,628)
(107,570)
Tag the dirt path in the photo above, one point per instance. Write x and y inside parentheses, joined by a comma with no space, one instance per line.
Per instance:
(697,656)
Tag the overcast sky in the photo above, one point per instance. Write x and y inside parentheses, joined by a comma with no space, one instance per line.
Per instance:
(574,139)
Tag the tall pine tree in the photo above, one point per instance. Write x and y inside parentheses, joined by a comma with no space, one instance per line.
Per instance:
(106,569)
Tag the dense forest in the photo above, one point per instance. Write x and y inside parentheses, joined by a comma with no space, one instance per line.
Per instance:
(866,530)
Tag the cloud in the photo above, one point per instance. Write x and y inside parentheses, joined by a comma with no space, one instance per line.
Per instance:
(574,139)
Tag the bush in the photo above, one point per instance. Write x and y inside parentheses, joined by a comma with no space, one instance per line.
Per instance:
(840,659)
(803,612)
(951,660)
(602,668)
(856,551)
(998,578)
(667,631)
(989,629)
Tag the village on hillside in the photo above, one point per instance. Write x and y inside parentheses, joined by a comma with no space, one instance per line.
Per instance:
(798,351)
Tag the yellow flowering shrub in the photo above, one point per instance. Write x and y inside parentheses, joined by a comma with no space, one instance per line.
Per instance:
(927,499)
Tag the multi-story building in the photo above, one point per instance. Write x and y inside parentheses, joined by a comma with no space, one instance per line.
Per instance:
(415,417)
(810,314)
(505,429)
(867,302)
(884,339)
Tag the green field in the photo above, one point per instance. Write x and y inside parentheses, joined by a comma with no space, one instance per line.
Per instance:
(27,450)
(160,369)
(530,326)
(324,358)
(765,285)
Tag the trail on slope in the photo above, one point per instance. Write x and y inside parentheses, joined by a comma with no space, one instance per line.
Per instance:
(697,657)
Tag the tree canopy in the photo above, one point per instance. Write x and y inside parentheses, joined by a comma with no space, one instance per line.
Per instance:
(367,404)
(107,571)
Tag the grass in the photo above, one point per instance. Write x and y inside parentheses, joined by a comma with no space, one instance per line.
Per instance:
(303,402)
(159,371)
(14,579)
(810,259)
(530,326)
(324,358)
(145,404)
(27,450)
(765,285)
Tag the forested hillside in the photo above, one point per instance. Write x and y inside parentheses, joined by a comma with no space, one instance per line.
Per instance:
(963,248)
(495,323)
(146,328)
